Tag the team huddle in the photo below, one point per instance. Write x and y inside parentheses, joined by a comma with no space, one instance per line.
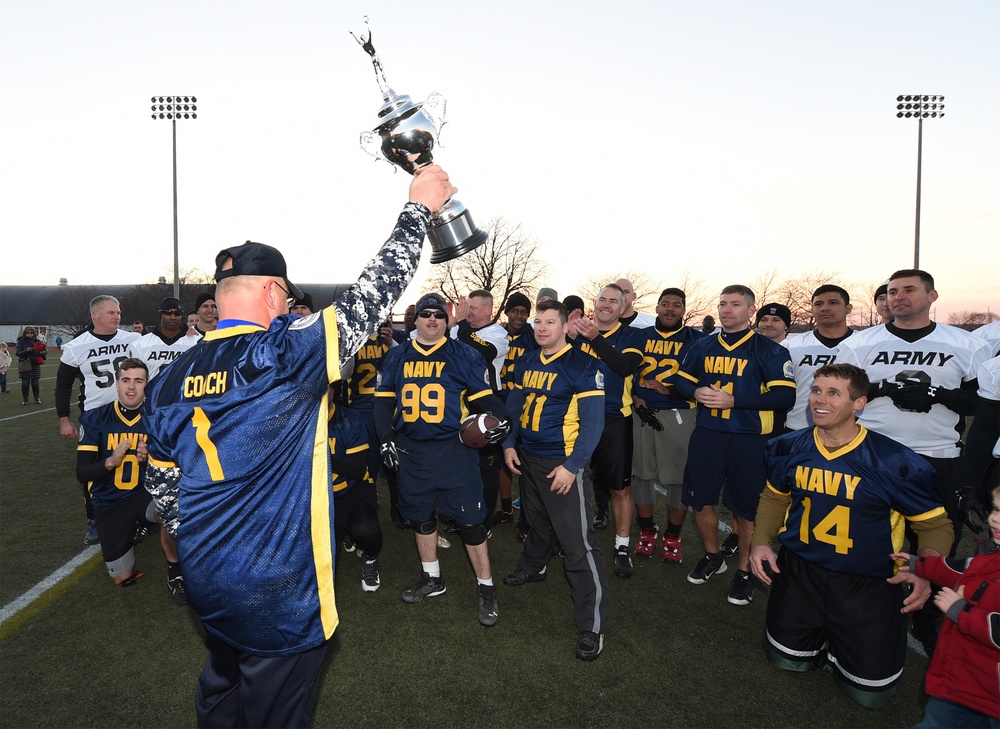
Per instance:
(256,442)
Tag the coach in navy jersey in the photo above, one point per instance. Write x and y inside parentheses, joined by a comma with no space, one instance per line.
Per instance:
(426,388)
(739,379)
(239,464)
(558,408)
(837,494)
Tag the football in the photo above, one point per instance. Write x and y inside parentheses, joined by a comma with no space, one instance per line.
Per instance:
(472,431)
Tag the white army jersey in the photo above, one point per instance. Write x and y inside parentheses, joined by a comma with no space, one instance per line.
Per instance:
(808,355)
(946,357)
(156,353)
(98,362)
(989,388)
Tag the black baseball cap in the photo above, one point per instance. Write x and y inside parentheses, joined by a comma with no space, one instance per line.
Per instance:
(255,259)
(431,301)
(170,303)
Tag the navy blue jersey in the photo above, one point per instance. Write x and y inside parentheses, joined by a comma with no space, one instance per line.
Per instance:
(432,386)
(348,435)
(617,389)
(848,506)
(520,344)
(662,353)
(561,402)
(360,386)
(752,365)
(101,430)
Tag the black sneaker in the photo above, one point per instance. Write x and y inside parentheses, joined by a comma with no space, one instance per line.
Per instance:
(349,545)
(590,645)
(91,537)
(427,587)
(706,567)
(623,563)
(38,401)
(502,517)
(177,590)
(489,611)
(143,530)
(370,580)
(741,593)
(522,576)
(731,545)
(601,518)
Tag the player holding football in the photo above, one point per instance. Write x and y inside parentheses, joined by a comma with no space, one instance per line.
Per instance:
(558,399)
(427,386)
(239,466)
(838,491)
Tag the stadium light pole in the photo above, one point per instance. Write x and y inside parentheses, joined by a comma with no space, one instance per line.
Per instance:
(174,108)
(919,107)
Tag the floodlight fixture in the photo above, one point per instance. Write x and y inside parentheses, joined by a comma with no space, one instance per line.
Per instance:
(919,107)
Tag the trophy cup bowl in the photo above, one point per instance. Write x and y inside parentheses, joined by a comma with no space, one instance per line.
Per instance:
(406,138)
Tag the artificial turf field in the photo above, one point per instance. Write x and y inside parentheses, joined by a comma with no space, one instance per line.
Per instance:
(676,655)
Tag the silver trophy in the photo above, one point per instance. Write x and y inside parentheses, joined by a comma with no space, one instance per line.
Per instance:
(406,135)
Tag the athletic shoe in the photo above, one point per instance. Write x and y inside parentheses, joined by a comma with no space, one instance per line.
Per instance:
(522,532)
(370,580)
(91,536)
(706,567)
(590,645)
(132,578)
(489,611)
(25,402)
(177,590)
(443,542)
(427,587)
(672,549)
(349,545)
(601,519)
(731,545)
(741,592)
(502,517)
(144,529)
(522,576)
(517,503)
(38,401)
(623,563)
(647,541)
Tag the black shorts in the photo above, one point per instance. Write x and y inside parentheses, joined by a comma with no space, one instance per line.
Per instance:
(612,459)
(440,474)
(358,502)
(850,624)
(116,524)
(735,460)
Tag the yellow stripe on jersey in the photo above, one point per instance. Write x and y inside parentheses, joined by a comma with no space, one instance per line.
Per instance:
(846,448)
(87,448)
(332,344)
(161,464)
(731,347)
(897,530)
(320,526)
(571,424)
(780,383)
(939,511)
(233,331)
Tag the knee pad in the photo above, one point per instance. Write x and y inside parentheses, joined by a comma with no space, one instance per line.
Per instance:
(674,493)
(642,491)
(473,534)
(123,565)
(426,527)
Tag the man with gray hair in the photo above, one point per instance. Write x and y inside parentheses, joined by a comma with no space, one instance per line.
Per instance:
(92,359)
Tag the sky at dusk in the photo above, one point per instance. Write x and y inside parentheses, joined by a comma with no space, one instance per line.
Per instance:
(720,139)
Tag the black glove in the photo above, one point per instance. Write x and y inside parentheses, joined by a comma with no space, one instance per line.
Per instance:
(969,505)
(497,434)
(390,455)
(881,388)
(648,417)
(916,398)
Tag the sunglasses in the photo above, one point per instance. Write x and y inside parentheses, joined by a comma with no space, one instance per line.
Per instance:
(172,312)
(435,314)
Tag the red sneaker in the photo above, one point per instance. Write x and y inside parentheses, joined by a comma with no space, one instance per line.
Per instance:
(672,549)
(647,542)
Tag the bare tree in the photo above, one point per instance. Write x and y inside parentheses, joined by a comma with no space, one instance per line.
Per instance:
(700,298)
(768,286)
(646,286)
(507,262)
(863,301)
(798,295)
(970,320)
(74,308)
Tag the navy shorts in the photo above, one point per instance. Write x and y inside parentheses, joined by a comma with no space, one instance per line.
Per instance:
(612,459)
(735,460)
(849,623)
(440,474)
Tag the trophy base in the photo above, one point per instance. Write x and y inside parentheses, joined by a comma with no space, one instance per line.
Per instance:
(454,237)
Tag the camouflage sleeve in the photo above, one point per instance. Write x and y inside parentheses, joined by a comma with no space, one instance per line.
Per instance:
(368,303)
(164,485)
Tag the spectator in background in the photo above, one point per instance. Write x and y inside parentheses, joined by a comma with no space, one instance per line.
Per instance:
(303,306)
(573,303)
(4,364)
(708,325)
(192,322)
(882,303)
(773,321)
(546,293)
(58,342)
(30,353)
(138,327)
(408,325)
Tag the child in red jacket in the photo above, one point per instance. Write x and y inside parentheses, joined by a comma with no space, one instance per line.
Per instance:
(963,681)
